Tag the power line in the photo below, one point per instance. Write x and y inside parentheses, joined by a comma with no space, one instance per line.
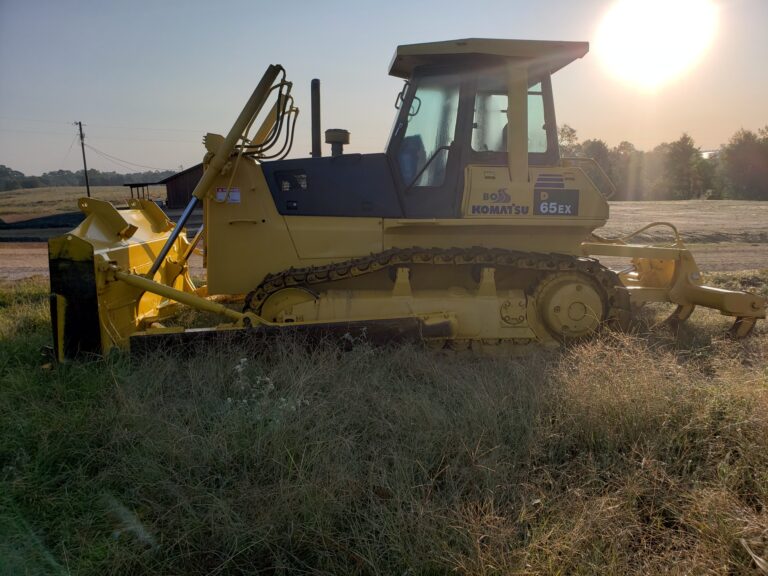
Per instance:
(143,140)
(149,129)
(33,132)
(17,131)
(125,164)
(58,122)
(119,127)
(69,149)
(116,159)
(115,162)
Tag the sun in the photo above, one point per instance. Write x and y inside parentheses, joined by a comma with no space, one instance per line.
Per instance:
(648,43)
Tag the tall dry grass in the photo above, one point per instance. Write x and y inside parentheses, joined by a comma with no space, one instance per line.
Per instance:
(635,453)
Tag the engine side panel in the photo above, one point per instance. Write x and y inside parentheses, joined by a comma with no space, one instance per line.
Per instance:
(353,185)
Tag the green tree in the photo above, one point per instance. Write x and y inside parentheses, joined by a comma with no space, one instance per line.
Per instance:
(598,151)
(745,165)
(10,179)
(569,141)
(627,171)
(654,180)
(13,179)
(706,182)
(681,169)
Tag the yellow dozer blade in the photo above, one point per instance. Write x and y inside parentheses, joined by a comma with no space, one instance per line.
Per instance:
(91,312)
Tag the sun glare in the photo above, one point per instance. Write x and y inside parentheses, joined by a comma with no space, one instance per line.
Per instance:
(648,43)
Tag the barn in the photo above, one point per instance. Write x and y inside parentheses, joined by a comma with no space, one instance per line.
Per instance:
(179,186)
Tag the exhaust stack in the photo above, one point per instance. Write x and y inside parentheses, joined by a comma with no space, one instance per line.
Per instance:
(317,150)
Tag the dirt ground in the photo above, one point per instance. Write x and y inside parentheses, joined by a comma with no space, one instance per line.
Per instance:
(698,221)
(26,259)
(723,235)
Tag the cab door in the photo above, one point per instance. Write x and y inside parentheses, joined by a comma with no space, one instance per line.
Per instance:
(427,145)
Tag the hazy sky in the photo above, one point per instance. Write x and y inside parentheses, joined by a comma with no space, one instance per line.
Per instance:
(149,78)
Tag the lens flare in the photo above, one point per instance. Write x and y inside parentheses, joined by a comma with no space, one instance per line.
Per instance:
(648,43)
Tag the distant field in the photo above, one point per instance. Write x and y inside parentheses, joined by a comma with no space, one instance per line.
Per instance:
(724,235)
(28,203)
(699,221)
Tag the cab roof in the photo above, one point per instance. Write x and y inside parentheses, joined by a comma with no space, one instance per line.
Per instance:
(543,56)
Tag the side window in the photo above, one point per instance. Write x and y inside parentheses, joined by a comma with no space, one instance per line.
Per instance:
(431,124)
(489,128)
(537,133)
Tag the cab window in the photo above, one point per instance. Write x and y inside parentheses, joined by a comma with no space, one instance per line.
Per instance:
(431,125)
(489,125)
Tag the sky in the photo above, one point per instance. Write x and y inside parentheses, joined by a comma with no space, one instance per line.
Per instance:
(148,78)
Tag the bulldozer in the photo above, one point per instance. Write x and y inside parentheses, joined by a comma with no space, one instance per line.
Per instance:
(469,232)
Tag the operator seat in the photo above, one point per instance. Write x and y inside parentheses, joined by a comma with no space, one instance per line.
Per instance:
(412,157)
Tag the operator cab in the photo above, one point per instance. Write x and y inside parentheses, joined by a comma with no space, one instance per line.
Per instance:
(476,102)
(455,110)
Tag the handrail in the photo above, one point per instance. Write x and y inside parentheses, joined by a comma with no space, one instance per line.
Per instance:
(591,164)
(678,243)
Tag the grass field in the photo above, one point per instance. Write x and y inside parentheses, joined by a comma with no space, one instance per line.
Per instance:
(28,203)
(637,453)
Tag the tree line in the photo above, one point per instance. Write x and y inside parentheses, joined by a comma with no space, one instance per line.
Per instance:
(13,179)
(679,170)
(676,170)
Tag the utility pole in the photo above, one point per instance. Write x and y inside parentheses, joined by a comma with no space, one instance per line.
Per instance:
(85,166)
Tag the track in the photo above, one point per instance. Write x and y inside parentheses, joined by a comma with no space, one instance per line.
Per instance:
(543,267)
